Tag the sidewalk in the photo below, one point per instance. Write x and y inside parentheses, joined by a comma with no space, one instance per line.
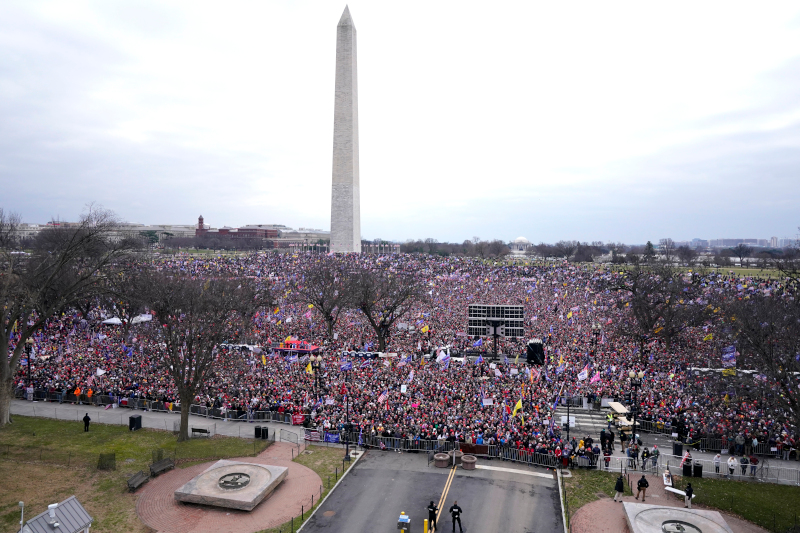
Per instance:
(150,419)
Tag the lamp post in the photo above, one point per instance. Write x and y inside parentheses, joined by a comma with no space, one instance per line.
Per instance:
(636,383)
(347,426)
(29,349)
(21,515)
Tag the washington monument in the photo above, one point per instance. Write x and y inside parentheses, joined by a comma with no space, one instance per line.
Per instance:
(345,195)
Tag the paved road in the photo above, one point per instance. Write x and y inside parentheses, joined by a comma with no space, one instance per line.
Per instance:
(383,484)
(150,419)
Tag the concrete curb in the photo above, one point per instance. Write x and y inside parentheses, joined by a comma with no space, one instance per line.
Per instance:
(561,500)
(352,466)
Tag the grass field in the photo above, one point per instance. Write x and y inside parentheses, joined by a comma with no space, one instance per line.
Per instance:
(586,486)
(45,461)
(327,463)
(773,507)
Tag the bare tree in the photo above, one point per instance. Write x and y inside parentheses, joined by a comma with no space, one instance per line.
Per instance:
(384,297)
(765,330)
(662,301)
(192,318)
(497,248)
(667,249)
(66,265)
(324,284)
(565,249)
(686,255)
(741,251)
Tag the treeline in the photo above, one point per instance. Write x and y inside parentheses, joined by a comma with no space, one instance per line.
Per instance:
(469,248)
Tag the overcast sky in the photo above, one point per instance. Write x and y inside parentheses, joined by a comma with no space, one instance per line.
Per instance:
(581,120)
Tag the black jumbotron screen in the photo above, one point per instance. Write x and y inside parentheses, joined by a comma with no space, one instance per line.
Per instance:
(511,315)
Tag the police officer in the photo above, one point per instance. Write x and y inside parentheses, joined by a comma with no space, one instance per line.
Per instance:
(432,510)
(86,421)
(455,512)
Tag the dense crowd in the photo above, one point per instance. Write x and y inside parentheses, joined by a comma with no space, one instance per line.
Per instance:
(445,393)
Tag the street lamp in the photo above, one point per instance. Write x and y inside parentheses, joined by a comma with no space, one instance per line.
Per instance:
(347,425)
(21,515)
(636,383)
(29,349)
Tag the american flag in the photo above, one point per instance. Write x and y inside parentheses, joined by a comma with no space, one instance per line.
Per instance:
(383,396)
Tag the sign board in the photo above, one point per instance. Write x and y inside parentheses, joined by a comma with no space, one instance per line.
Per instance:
(514,371)
(488,401)
(492,365)
(403,388)
(571,421)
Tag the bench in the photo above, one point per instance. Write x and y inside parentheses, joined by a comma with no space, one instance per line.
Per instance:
(201,431)
(161,466)
(137,480)
(678,492)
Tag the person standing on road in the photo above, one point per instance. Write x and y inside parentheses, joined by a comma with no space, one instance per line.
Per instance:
(86,421)
(641,487)
(717,459)
(455,512)
(432,510)
(619,486)
(689,492)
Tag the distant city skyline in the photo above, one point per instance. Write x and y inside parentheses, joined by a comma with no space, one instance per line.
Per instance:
(593,121)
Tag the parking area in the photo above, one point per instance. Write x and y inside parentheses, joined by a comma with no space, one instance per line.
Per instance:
(499,497)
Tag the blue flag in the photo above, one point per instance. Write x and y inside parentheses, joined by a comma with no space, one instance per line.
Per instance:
(479,360)
(347,365)
(477,343)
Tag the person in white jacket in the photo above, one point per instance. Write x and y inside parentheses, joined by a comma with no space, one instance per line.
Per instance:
(731,465)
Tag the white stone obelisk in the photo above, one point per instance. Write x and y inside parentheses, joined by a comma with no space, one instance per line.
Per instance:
(345,194)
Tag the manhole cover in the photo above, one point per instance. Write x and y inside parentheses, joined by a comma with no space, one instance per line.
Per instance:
(307,452)
(601,494)
(329,513)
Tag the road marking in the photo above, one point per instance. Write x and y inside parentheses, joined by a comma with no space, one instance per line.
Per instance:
(514,471)
(444,493)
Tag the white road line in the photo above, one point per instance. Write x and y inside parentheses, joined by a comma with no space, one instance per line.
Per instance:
(514,471)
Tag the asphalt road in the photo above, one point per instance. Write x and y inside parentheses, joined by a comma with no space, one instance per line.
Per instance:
(383,484)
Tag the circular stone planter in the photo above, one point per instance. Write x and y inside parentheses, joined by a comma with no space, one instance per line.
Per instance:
(468,462)
(441,460)
(459,455)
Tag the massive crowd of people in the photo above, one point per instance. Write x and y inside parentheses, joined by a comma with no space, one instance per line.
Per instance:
(444,395)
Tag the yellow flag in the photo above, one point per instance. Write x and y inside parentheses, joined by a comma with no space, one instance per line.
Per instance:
(264,359)
(288,338)
(516,359)
(560,360)
(424,329)
(277,310)
(517,407)
(311,306)
(709,337)
(569,315)
(309,370)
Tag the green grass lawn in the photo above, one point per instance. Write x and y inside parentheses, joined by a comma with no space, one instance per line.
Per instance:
(773,507)
(327,463)
(765,504)
(586,486)
(44,461)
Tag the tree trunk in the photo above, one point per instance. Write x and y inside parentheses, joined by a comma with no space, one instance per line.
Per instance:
(183,435)
(6,395)
(381,342)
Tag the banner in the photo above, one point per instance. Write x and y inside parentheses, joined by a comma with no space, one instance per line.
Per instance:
(297,419)
(729,357)
(362,355)
(331,437)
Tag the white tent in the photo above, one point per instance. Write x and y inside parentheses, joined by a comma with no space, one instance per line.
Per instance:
(142,318)
(113,321)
